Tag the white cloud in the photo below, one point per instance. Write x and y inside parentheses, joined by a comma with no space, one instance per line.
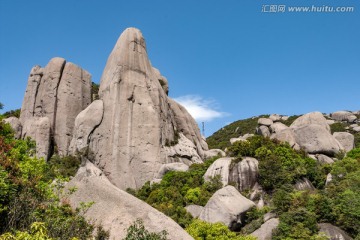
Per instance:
(201,109)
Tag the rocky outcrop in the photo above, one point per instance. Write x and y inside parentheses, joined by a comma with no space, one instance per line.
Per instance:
(73,95)
(311,118)
(115,209)
(345,139)
(333,232)
(15,124)
(141,128)
(344,116)
(227,206)
(244,173)
(221,167)
(57,92)
(310,132)
(263,131)
(314,138)
(277,127)
(286,135)
(265,121)
(265,230)
(214,153)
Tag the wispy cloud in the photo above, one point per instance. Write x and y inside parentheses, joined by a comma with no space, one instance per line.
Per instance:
(201,109)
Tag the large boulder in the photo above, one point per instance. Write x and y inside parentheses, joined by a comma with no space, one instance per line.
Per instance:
(323,159)
(277,127)
(286,135)
(115,209)
(15,124)
(333,232)
(244,173)
(344,116)
(221,167)
(345,139)
(59,92)
(263,131)
(265,230)
(315,138)
(227,206)
(304,185)
(142,128)
(311,118)
(85,123)
(265,121)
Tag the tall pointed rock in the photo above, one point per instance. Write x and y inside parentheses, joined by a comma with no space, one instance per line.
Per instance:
(138,132)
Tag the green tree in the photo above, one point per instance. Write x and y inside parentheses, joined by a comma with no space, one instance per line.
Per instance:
(137,231)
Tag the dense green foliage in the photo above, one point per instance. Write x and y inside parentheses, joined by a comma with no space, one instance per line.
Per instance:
(179,189)
(137,231)
(12,113)
(221,138)
(200,230)
(279,164)
(27,198)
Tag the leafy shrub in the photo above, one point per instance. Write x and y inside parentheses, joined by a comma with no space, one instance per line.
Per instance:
(12,113)
(27,197)
(137,231)
(179,189)
(213,231)
(338,127)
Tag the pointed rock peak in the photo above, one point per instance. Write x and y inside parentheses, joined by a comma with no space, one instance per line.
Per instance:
(129,54)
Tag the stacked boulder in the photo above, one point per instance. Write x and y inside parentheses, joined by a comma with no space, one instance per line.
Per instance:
(310,132)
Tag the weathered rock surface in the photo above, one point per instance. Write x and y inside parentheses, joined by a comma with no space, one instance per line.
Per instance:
(115,209)
(265,121)
(15,125)
(220,167)
(39,129)
(303,184)
(324,159)
(286,135)
(194,210)
(58,92)
(213,153)
(311,118)
(314,138)
(241,138)
(277,127)
(228,206)
(345,139)
(265,231)
(85,123)
(344,116)
(275,117)
(73,95)
(244,173)
(141,127)
(177,167)
(263,131)
(333,232)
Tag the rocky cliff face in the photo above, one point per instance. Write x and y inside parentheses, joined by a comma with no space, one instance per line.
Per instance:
(141,128)
(54,96)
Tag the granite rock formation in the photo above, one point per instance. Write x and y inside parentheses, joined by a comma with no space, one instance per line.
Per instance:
(57,93)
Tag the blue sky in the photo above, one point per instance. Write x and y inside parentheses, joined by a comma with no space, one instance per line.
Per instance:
(225,60)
